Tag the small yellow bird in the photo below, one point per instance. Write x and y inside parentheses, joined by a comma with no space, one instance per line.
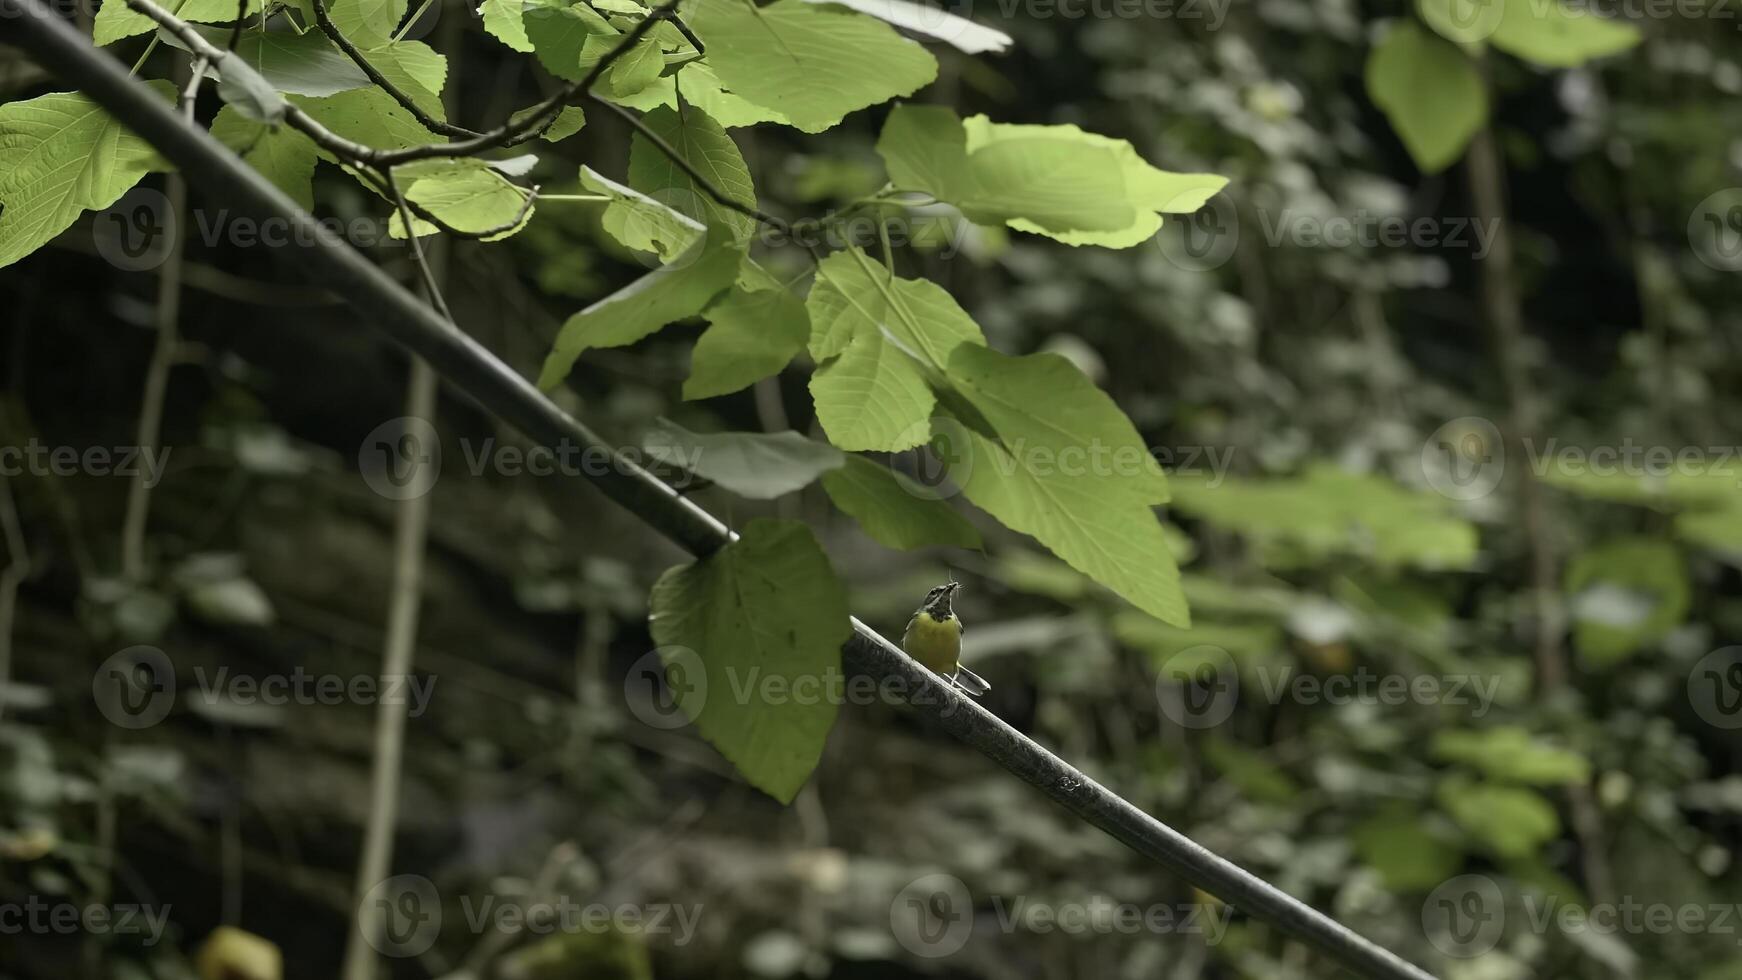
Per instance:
(934,638)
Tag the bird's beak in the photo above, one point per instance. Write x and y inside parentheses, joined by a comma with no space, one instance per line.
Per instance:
(952,587)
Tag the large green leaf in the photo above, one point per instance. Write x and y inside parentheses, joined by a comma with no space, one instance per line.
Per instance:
(811,64)
(1040,448)
(558,33)
(297,64)
(367,23)
(1559,35)
(1058,184)
(752,334)
(283,155)
(704,145)
(368,116)
(757,465)
(115,20)
(1430,91)
(880,342)
(641,223)
(894,510)
(680,288)
(467,194)
(61,155)
(1150,191)
(701,88)
(764,616)
(503,20)
(415,69)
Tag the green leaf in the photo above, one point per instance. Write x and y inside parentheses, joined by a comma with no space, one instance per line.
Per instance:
(559,33)
(1043,406)
(295,64)
(1151,192)
(60,155)
(281,154)
(812,64)
(763,614)
(502,19)
(569,121)
(641,223)
(681,288)
(369,116)
(752,334)
(704,145)
(250,93)
(701,88)
(367,23)
(878,341)
(757,465)
(1625,594)
(468,195)
(115,20)
(894,510)
(1508,753)
(1055,182)
(631,72)
(415,69)
(1430,91)
(935,22)
(1507,821)
(1558,35)
(1043,450)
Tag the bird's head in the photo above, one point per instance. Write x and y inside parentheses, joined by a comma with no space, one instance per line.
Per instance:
(937,601)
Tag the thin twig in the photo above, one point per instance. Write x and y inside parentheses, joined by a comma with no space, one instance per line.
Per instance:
(236,28)
(430,287)
(410,531)
(17,569)
(163,354)
(1505,319)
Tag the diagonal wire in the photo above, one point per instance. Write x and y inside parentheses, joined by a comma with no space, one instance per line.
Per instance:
(473,371)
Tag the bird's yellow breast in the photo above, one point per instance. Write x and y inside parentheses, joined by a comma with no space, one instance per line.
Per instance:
(937,643)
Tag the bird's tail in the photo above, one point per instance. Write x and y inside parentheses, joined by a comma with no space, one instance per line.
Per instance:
(973,684)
